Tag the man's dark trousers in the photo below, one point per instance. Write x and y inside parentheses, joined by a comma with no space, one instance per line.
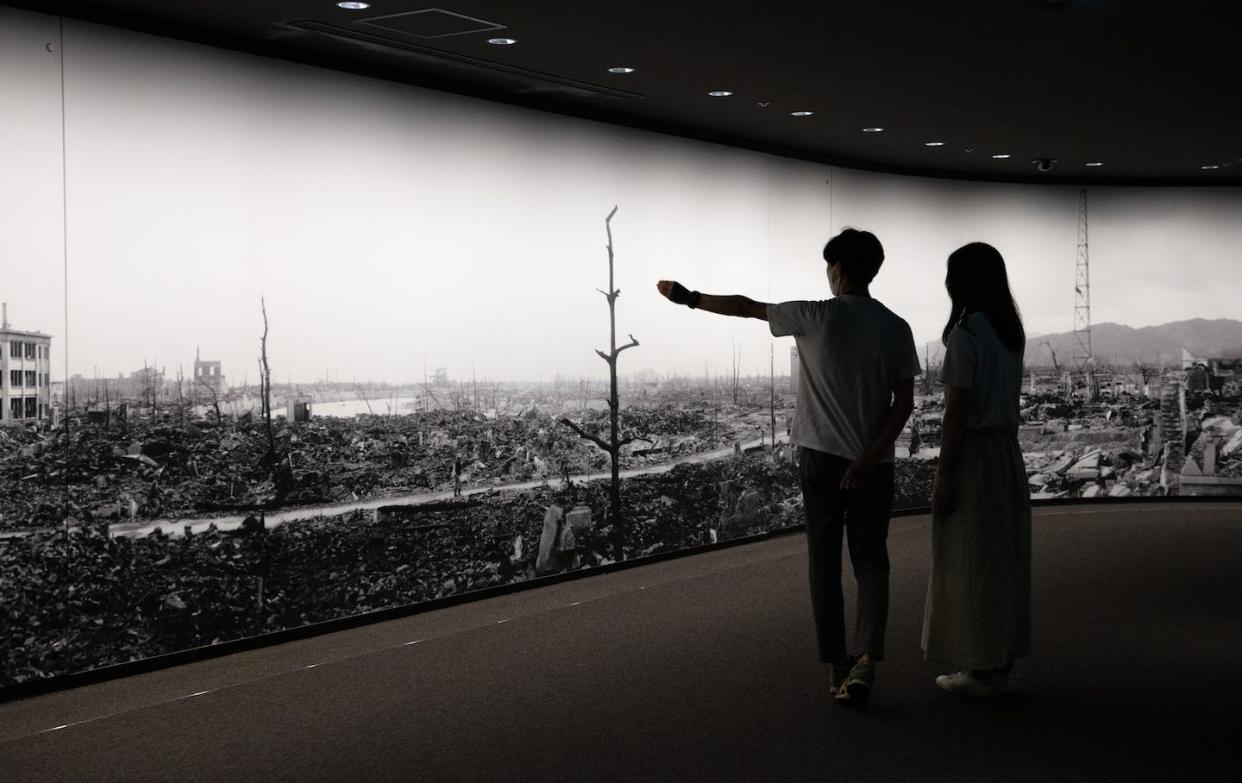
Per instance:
(864,515)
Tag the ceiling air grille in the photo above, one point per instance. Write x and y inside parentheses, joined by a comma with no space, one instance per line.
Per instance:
(518,79)
(432,23)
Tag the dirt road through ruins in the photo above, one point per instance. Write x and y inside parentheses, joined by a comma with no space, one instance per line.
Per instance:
(177,527)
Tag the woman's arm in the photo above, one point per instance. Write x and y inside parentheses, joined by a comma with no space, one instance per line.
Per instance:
(736,306)
(956,411)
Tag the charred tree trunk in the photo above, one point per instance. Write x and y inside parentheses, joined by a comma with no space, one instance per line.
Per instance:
(737,365)
(180,398)
(266,379)
(363,394)
(614,443)
(215,401)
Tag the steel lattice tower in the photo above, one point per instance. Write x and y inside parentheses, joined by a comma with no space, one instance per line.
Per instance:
(1082,292)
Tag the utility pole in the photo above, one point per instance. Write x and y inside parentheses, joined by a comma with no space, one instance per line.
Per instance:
(1083,358)
(927,372)
(772,390)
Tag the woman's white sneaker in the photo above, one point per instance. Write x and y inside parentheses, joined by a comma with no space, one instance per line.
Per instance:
(967,684)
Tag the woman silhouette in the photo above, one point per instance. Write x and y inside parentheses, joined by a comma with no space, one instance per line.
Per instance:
(978,614)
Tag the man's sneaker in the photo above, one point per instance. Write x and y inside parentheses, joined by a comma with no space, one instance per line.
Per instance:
(967,684)
(840,673)
(858,683)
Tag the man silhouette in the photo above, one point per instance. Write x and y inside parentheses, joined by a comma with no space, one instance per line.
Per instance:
(855,392)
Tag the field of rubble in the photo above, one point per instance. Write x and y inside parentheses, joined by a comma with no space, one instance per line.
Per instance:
(80,598)
(170,467)
(88,600)
(1089,450)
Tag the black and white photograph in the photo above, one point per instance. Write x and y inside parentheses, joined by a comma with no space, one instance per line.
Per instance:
(450,387)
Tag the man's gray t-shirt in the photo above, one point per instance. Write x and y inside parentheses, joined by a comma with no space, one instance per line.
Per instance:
(852,350)
(976,359)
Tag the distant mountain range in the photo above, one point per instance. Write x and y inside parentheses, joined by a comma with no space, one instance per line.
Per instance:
(1124,346)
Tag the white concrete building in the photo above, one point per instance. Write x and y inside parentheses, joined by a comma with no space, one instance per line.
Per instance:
(25,374)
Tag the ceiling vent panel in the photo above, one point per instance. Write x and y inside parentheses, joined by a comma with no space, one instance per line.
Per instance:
(511,78)
(432,23)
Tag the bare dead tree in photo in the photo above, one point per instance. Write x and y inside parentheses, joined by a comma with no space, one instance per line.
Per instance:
(1056,367)
(148,393)
(715,392)
(215,400)
(266,380)
(614,443)
(458,397)
(361,392)
(428,391)
(180,396)
(737,366)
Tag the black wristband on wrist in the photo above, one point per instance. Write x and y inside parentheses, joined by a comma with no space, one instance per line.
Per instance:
(693,300)
(679,295)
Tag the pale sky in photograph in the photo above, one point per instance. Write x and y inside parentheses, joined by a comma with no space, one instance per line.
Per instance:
(390,227)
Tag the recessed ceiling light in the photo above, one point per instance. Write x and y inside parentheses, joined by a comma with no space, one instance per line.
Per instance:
(1095,163)
(872,130)
(720,93)
(1209,167)
(621,69)
(801,113)
(1001,156)
(933,144)
(501,41)
(352,6)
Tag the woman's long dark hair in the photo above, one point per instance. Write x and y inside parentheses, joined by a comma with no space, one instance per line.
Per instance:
(977,282)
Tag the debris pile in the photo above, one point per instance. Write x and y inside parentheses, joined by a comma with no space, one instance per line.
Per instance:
(77,599)
(163,468)
(81,600)
(1213,465)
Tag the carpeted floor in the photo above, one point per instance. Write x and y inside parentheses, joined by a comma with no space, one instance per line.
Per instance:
(704,668)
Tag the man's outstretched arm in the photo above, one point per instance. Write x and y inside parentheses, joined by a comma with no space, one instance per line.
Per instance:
(736,306)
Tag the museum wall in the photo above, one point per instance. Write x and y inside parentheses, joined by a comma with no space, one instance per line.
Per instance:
(420,271)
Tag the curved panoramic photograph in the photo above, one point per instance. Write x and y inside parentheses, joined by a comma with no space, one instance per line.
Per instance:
(293,345)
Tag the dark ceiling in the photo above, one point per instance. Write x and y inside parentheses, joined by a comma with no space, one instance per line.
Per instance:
(1150,90)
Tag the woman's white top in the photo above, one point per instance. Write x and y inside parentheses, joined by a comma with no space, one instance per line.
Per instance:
(976,359)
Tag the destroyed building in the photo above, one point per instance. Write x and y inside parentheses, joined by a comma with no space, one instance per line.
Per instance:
(146,384)
(25,374)
(209,378)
